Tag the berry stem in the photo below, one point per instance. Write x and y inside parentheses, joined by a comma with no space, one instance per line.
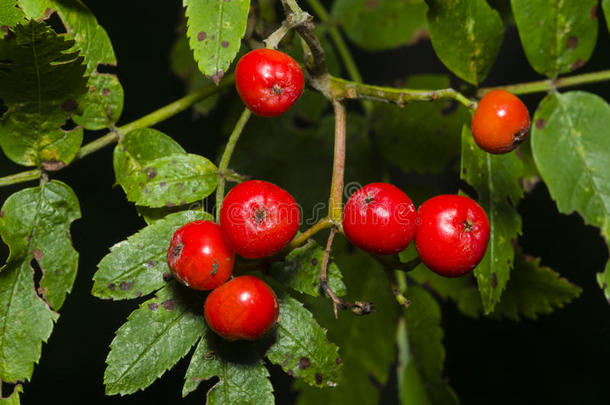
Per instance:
(317,227)
(550,84)
(226,157)
(21,177)
(335,209)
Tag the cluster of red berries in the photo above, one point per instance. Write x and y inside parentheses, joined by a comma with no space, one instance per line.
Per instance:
(257,219)
(450,231)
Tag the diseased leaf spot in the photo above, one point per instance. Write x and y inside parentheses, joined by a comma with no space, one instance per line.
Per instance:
(162,184)
(304,363)
(37,254)
(572,42)
(540,123)
(111,286)
(224,44)
(217,77)
(151,173)
(126,285)
(150,263)
(338,361)
(153,306)
(314,261)
(593,11)
(53,165)
(494,280)
(578,64)
(69,105)
(319,378)
(1,214)
(169,304)
(105,91)
(201,36)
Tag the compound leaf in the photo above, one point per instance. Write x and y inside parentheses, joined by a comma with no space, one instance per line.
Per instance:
(136,266)
(155,171)
(301,270)
(496,180)
(40,79)
(466,36)
(301,347)
(380,25)
(243,377)
(558,37)
(215,29)
(154,338)
(570,144)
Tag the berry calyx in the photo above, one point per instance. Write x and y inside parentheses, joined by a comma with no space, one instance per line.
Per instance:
(379,218)
(500,123)
(451,235)
(268,81)
(243,308)
(199,257)
(258,219)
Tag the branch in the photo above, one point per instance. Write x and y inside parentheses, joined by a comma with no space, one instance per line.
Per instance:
(343,89)
(22,177)
(226,157)
(550,84)
(335,209)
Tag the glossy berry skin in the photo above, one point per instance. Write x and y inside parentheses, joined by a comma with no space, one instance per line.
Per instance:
(243,308)
(258,219)
(379,218)
(199,257)
(268,81)
(500,123)
(451,234)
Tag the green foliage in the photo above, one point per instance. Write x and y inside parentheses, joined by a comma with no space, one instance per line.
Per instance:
(215,29)
(466,36)
(40,79)
(156,335)
(136,266)
(606,7)
(155,171)
(367,344)
(10,15)
(35,224)
(556,39)
(301,269)
(301,347)
(408,136)
(243,378)
(421,353)
(496,180)
(383,24)
(12,399)
(570,145)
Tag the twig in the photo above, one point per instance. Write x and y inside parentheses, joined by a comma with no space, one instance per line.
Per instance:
(317,227)
(21,177)
(335,209)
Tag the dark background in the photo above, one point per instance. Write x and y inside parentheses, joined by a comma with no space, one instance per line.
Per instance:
(561,358)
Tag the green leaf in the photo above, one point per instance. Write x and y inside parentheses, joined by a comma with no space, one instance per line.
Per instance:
(154,338)
(362,359)
(101,106)
(466,36)
(184,66)
(557,37)
(136,266)
(301,270)
(36,9)
(496,180)
(155,171)
(570,145)
(301,347)
(10,15)
(408,136)
(421,353)
(39,83)
(35,224)
(606,7)
(12,399)
(380,25)
(244,379)
(215,29)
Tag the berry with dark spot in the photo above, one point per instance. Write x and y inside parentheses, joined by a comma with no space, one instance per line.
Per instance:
(199,257)
(500,123)
(379,218)
(243,308)
(268,81)
(258,219)
(451,235)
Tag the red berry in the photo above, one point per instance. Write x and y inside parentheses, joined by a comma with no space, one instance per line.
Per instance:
(500,123)
(243,308)
(259,218)
(268,81)
(199,257)
(379,218)
(451,234)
